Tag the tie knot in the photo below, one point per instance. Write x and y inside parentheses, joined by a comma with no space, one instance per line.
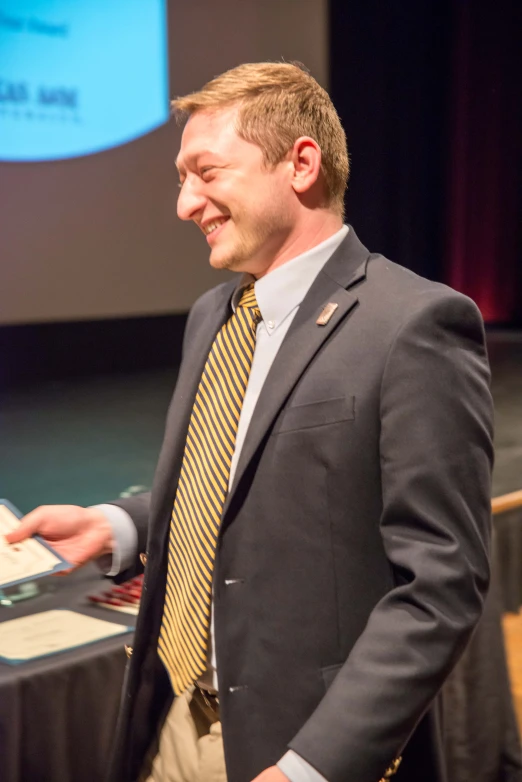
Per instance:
(248,298)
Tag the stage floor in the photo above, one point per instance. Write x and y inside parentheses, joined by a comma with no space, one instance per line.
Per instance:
(86,441)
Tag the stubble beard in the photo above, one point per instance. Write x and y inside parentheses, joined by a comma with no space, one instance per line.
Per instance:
(233,259)
(250,244)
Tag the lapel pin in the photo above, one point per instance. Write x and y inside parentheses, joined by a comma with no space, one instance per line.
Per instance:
(327,313)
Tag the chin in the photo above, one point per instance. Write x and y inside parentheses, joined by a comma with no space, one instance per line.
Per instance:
(218,262)
(225,261)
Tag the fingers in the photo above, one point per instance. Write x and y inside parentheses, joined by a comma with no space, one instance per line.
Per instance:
(36,522)
(28,526)
(78,534)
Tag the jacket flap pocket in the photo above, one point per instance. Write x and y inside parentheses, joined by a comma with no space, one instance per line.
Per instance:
(325,411)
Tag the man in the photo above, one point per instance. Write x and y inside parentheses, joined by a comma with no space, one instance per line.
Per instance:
(316,540)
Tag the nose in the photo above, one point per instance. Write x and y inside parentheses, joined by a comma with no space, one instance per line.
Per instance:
(191,200)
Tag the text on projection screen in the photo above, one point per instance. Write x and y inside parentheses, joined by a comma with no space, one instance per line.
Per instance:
(80,77)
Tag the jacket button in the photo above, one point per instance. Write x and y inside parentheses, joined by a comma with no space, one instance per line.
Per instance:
(143,558)
(128,651)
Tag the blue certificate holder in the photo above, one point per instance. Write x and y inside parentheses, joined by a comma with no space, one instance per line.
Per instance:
(31,586)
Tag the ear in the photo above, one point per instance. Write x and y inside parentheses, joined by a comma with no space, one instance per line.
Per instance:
(306,161)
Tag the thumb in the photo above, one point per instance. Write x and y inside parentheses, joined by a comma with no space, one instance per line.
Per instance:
(28,527)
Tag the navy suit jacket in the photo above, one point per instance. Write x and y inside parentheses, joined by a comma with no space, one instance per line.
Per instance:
(352,559)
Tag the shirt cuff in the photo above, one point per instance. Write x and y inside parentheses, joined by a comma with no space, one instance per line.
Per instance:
(297,769)
(125,537)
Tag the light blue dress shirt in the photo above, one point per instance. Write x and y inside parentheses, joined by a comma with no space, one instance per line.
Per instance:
(278,295)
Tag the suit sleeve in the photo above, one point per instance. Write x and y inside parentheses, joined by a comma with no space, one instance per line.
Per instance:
(436,456)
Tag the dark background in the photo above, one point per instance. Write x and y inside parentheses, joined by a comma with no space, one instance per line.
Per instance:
(430,96)
(429,93)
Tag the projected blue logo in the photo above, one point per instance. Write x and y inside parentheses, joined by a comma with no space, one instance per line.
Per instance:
(78,78)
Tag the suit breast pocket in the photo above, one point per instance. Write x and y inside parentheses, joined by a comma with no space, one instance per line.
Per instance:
(317,413)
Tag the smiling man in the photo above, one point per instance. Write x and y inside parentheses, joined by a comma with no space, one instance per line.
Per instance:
(240,199)
(316,540)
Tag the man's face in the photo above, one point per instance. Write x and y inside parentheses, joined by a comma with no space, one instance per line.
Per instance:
(246,209)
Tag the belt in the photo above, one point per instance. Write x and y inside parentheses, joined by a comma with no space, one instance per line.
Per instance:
(210,698)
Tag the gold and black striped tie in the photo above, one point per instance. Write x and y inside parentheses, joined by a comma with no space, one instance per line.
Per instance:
(201,493)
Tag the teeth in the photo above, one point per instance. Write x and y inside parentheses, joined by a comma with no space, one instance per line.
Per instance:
(212,226)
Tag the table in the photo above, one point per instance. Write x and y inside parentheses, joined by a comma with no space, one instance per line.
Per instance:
(58,714)
(481,741)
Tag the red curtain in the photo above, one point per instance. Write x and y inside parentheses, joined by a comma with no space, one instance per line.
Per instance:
(485,157)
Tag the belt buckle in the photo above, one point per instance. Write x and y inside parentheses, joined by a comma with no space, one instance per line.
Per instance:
(206,695)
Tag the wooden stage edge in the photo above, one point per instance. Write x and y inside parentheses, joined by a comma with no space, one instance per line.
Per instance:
(512,624)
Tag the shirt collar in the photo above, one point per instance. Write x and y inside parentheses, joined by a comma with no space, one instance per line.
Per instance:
(284,288)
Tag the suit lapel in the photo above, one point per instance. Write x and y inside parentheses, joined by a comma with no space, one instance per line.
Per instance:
(201,336)
(346,267)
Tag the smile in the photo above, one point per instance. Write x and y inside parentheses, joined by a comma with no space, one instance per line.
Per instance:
(213,226)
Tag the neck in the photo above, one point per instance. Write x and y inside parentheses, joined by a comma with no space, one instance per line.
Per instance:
(304,236)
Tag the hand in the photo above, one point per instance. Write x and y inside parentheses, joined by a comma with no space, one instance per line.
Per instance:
(77,534)
(272,774)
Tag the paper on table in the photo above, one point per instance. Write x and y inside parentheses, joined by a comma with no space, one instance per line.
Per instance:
(25,560)
(50,632)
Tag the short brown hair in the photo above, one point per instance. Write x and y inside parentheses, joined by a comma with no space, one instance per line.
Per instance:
(278,103)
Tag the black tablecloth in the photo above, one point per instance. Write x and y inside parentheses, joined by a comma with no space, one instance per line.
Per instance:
(481,739)
(57,714)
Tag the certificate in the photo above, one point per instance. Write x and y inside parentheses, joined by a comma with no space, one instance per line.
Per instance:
(25,561)
(50,632)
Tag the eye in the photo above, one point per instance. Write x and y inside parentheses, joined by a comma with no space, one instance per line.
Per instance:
(205,171)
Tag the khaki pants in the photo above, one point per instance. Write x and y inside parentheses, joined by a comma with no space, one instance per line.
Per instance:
(190,745)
